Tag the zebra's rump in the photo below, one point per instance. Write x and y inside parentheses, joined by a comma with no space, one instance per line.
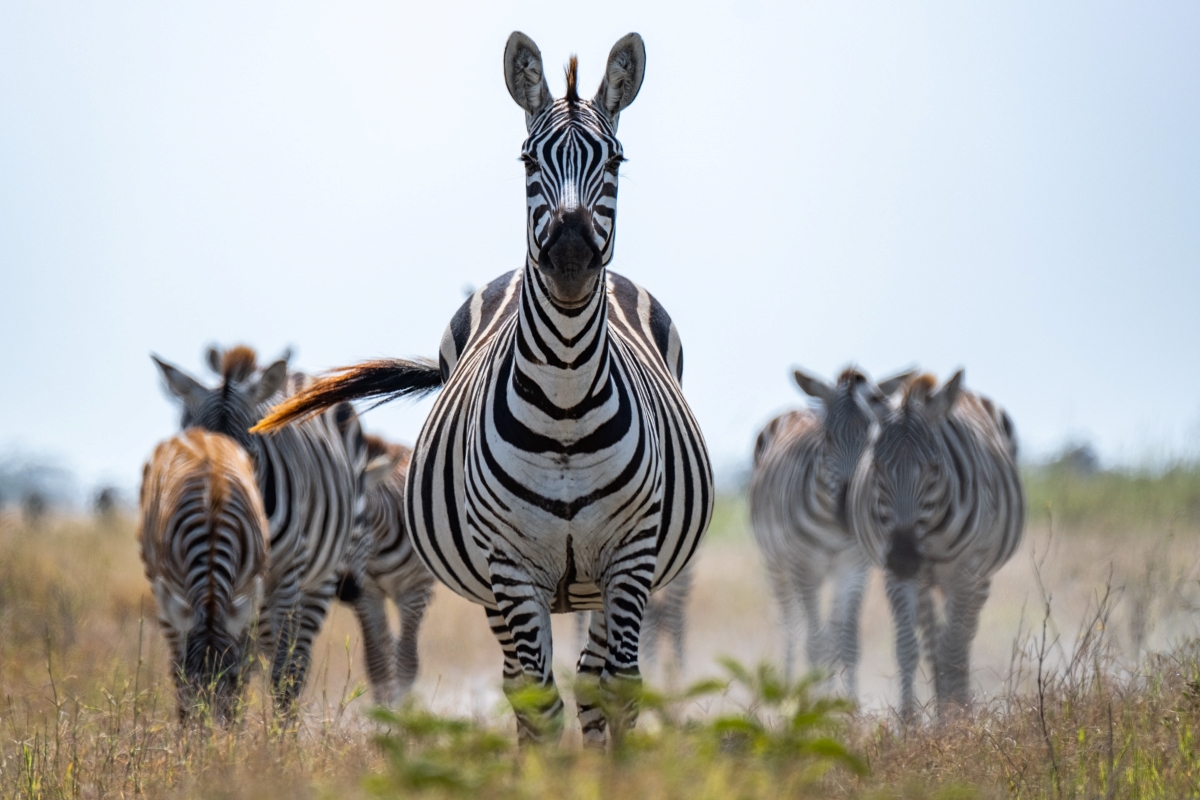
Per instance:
(656,482)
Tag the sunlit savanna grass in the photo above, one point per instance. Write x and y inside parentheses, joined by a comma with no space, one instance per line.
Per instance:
(87,706)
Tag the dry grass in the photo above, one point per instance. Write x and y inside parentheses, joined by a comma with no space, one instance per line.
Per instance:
(87,707)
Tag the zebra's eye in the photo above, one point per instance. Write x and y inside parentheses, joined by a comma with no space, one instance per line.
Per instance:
(531,163)
(614,163)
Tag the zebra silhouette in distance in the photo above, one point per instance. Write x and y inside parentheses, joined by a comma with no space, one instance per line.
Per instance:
(803,462)
(560,469)
(937,501)
(392,570)
(310,481)
(204,545)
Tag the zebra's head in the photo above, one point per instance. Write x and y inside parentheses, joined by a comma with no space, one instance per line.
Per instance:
(571,160)
(850,407)
(909,478)
(235,404)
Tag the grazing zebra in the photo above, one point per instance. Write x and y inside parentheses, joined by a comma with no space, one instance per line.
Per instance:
(937,502)
(560,469)
(803,463)
(204,544)
(392,570)
(310,479)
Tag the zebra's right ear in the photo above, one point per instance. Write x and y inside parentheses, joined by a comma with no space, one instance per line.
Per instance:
(270,382)
(891,385)
(813,387)
(524,76)
(941,401)
(214,355)
(182,386)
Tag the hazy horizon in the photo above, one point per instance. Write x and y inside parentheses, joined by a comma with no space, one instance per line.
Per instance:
(1009,188)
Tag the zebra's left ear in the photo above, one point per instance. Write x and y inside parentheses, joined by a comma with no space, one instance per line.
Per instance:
(941,401)
(622,77)
(889,385)
(272,378)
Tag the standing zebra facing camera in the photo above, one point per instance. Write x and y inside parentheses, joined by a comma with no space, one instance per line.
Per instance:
(560,469)
(310,479)
(392,570)
(803,463)
(937,502)
(204,544)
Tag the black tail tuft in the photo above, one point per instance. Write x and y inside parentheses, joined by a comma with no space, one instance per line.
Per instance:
(384,379)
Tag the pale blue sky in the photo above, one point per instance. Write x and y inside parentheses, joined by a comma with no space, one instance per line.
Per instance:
(1010,187)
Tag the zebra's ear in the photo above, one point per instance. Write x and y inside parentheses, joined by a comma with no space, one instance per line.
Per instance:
(813,387)
(891,385)
(213,355)
(524,76)
(184,387)
(941,401)
(622,77)
(270,382)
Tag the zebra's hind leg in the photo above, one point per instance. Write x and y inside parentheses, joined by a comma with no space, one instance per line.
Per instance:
(378,643)
(587,682)
(412,605)
(789,614)
(849,584)
(902,597)
(528,680)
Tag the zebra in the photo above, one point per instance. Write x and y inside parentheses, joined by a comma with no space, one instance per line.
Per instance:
(560,469)
(937,501)
(392,570)
(803,462)
(310,479)
(204,545)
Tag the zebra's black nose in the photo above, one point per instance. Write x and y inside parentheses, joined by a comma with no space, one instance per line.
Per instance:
(570,247)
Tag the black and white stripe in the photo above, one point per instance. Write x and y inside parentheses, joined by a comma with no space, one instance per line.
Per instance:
(392,570)
(204,545)
(561,468)
(937,502)
(310,478)
(803,463)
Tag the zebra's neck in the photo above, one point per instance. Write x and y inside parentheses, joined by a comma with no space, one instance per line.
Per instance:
(561,359)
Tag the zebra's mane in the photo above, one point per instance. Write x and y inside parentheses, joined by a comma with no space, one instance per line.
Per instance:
(851,374)
(238,363)
(572,71)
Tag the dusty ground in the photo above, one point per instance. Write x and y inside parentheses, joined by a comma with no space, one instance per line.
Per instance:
(1151,574)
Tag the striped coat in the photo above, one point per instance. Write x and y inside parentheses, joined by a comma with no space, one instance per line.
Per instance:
(803,462)
(205,547)
(561,468)
(937,501)
(310,478)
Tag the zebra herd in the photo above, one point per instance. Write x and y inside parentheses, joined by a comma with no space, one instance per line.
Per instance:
(560,470)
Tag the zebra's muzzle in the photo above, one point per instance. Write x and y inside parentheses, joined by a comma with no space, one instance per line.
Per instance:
(570,257)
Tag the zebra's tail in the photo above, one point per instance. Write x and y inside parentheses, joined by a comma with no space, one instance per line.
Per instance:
(384,379)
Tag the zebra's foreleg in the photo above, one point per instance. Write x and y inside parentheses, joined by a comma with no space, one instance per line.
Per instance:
(850,583)
(293,655)
(587,682)
(378,643)
(412,605)
(626,590)
(529,686)
(965,596)
(902,597)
